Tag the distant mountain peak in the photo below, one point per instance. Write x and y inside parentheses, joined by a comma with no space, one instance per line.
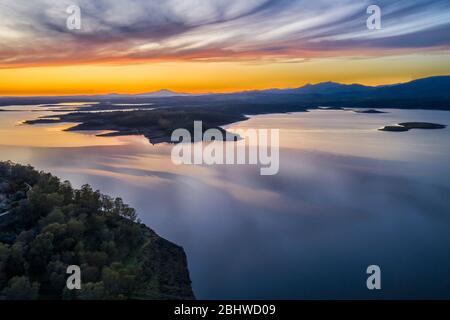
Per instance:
(162,93)
(322,83)
(331,87)
(165,91)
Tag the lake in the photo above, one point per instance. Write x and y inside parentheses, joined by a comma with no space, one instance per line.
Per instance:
(347,196)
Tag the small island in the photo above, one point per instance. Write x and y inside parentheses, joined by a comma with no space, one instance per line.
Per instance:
(43,121)
(406,126)
(46,226)
(332,108)
(370,111)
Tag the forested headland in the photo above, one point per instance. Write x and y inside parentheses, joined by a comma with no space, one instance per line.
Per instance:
(46,225)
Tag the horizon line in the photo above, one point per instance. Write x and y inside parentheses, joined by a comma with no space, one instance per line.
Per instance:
(210,92)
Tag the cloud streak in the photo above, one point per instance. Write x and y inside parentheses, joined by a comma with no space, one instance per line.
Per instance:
(115,31)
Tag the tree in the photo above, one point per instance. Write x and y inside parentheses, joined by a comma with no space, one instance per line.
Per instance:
(16,263)
(4,254)
(92,291)
(40,250)
(21,288)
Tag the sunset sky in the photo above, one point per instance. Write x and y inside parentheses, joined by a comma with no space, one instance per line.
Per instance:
(216,45)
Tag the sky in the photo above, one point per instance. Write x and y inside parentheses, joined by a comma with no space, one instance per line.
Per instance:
(140,46)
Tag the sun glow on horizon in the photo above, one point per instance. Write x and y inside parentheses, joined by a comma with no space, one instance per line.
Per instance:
(215,77)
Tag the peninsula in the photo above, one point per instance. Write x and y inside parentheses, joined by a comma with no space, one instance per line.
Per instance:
(46,226)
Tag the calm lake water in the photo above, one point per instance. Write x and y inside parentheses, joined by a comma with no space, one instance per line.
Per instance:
(347,196)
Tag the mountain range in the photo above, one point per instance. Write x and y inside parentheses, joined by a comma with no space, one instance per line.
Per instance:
(421,87)
(431,92)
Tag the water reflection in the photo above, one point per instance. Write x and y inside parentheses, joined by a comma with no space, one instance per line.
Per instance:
(347,196)
(14,133)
